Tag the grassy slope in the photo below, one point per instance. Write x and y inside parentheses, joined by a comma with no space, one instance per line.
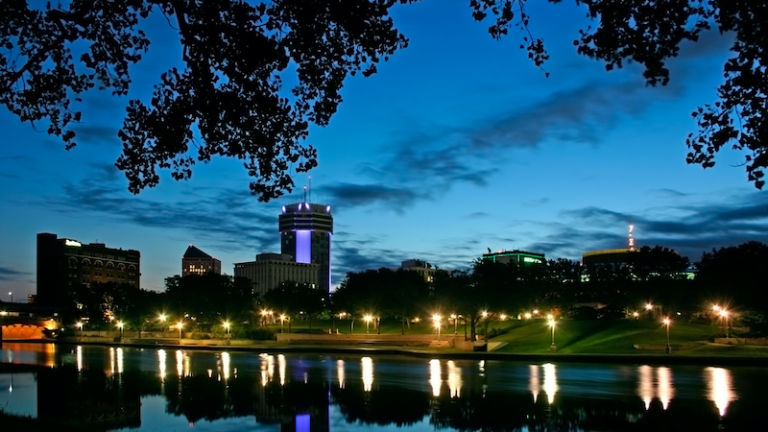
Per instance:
(618,337)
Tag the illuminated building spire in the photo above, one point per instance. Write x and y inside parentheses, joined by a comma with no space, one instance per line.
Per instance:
(631,237)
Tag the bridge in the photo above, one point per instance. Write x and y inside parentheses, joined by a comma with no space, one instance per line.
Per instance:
(26,321)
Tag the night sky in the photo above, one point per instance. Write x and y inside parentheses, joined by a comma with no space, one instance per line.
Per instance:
(458,144)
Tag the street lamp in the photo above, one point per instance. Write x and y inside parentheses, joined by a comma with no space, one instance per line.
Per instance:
(10,294)
(79,325)
(552,323)
(282,321)
(226,325)
(367,318)
(455,319)
(180,325)
(436,318)
(724,314)
(667,322)
(120,326)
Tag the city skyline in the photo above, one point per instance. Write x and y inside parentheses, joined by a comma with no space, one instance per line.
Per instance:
(456,145)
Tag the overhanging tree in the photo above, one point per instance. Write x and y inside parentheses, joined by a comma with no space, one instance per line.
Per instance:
(236,54)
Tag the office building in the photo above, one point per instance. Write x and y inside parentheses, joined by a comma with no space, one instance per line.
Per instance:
(197,262)
(305,235)
(425,269)
(269,270)
(514,256)
(63,264)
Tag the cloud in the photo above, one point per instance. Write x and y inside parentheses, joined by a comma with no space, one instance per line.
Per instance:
(11,274)
(96,134)
(434,158)
(688,228)
(354,195)
(226,218)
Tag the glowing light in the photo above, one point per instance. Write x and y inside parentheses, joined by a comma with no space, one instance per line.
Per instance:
(111,361)
(225,365)
(550,382)
(72,243)
(635,314)
(503,317)
(304,246)
(716,308)
(527,315)
(367,372)
(434,377)
(281,368)
(283,209)
(645,384)
(119,360)
(720,388)
(484,314)
(533,382)
(162,317)
(649,306)
(340,372)
(454,379)
(179,363)
(666,390)
(79,357)
(327,209)
(161,364)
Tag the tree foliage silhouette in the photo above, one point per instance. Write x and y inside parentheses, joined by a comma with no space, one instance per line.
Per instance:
(650,33)
(238,57)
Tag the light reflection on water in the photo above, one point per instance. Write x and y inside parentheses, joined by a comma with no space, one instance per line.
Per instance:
(662,387)
(720,387)
(434,377)
(454,379)
(467,381)
(367,368)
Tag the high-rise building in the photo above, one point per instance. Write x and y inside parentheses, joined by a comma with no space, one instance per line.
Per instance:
(63,264)
(197,262)
(515,256)
(305,234)
(271,269)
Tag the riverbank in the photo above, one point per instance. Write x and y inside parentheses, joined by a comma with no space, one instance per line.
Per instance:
(724,358)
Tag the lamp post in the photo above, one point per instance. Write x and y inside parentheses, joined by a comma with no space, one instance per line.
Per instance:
(79,325)
(436,318)
(120,326)
(180,325)
(367,318)
(724,314)
(485,315)
(226,325)
(10,294)
(552,323)
(282,321)
(667,322)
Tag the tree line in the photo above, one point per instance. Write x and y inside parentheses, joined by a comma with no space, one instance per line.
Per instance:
(733,276)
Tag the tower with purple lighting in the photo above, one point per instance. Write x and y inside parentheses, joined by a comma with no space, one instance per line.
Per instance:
(305,234)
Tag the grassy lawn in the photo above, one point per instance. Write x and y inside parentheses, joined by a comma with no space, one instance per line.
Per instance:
(572,336)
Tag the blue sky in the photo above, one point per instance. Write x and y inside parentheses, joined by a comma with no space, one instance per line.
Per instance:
(457,144)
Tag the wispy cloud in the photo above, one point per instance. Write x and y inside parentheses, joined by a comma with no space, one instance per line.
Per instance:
(354,195)
(226,218)
(689,228)
(11,274)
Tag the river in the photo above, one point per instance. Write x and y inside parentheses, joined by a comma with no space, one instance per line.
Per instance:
(111,388)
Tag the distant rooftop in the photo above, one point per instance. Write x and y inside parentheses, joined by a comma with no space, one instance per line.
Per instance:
(194,252)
